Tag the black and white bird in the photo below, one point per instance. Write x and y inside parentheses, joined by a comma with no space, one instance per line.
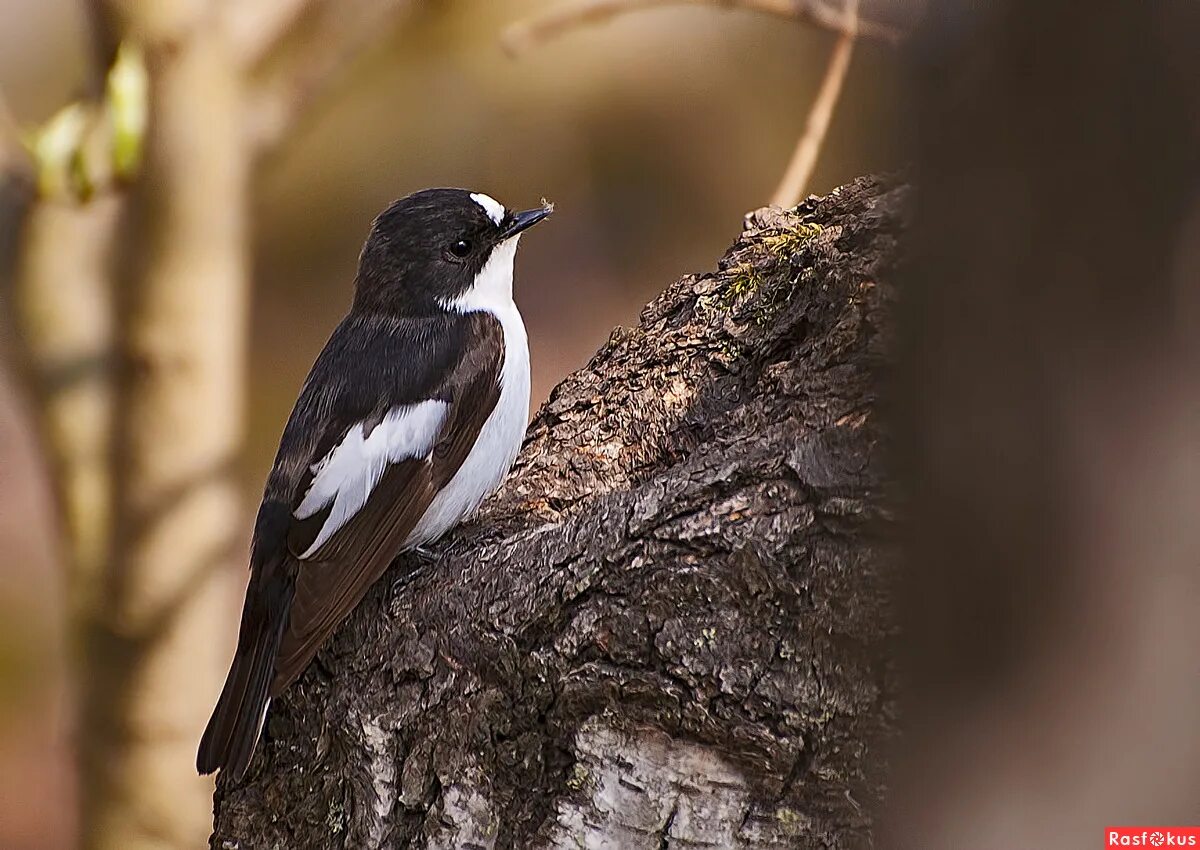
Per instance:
(411,415)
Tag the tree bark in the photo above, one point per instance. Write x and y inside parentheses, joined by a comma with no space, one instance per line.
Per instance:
(671,626)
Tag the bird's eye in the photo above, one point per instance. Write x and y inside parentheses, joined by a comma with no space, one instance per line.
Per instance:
(460,249)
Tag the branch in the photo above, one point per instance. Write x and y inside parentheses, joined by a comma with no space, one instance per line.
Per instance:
(799,171)
(559,19)
(151,645)
(62,254)
(62,306)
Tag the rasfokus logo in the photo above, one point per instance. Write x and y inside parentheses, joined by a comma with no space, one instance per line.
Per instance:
(1152,836)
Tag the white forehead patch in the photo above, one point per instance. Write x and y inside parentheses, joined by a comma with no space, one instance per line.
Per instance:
(494,209)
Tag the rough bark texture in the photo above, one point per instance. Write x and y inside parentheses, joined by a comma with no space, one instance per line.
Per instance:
(670,627)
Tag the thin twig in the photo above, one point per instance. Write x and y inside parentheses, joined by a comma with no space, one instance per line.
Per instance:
(799,171)
(561,18)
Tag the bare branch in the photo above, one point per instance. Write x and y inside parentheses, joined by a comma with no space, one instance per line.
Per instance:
(559,19)
(799,171)
(62,296)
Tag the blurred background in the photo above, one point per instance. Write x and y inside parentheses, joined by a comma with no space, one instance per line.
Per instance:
(173,289)
(652,133)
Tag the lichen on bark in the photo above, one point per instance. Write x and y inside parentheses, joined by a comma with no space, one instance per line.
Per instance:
(670,627)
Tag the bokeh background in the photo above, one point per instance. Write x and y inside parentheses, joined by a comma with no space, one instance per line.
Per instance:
(652,134)
(1045,392)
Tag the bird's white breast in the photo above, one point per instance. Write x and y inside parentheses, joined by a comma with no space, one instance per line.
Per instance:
(500,438)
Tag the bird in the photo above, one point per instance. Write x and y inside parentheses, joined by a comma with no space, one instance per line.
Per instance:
(411,415)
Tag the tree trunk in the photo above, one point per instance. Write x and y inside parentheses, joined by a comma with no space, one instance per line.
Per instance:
(670,627)
(64,298)
(153,655)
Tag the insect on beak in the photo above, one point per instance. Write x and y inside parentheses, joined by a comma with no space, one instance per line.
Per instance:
(516,222)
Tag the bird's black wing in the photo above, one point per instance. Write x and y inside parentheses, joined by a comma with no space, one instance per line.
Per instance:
(450,386)
(299,591)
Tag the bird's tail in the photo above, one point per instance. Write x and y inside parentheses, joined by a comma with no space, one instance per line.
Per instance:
(236,722)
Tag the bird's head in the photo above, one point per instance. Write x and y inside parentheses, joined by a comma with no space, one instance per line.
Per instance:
(441,248)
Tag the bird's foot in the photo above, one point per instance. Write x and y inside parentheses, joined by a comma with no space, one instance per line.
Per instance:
(418,561)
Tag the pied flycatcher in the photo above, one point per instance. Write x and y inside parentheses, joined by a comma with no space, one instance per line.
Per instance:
(411,415)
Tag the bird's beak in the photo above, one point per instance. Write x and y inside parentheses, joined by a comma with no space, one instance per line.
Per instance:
(516,222)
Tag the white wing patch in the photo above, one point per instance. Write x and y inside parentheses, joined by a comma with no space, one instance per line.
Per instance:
(494,209)
(347,475)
